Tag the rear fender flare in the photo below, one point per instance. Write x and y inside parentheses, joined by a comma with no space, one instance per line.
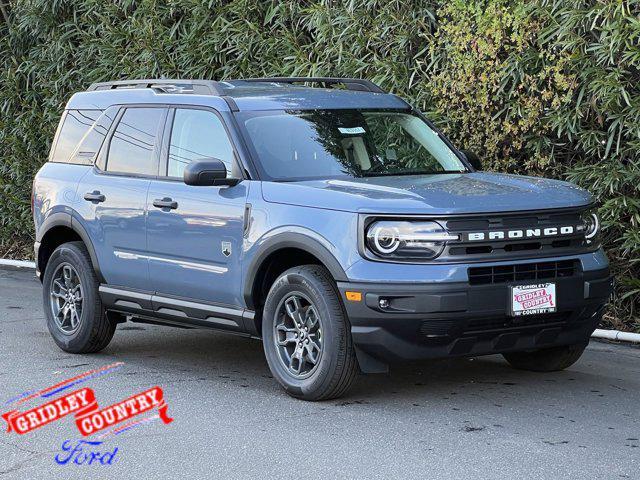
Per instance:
(65,219)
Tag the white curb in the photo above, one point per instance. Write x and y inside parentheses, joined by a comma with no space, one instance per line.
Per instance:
(17,263)
(616,335)
(599,333)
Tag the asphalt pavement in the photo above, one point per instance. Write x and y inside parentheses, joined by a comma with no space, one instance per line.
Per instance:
(470,418)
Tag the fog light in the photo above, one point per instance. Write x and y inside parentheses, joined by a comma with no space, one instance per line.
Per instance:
(383,303)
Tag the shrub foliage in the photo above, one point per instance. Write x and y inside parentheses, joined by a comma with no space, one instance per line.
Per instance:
(542,87)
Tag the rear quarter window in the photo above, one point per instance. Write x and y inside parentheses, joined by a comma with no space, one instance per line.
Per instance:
(74,124)
(89,146)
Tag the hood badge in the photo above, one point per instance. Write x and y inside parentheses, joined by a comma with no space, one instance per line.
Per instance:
(226,248)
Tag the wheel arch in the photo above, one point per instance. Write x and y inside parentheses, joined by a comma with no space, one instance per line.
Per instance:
(285,250)
(57,229)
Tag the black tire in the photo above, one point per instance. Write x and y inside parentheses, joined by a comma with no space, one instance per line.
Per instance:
(94,330)
(546,360)
(337,366)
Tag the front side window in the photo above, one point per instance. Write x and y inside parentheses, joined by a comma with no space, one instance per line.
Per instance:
(75,124)
(297,145)
(195,135)
(133,144)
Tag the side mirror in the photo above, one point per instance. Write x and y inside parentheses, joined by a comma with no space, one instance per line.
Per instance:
(207,172)
(473,159)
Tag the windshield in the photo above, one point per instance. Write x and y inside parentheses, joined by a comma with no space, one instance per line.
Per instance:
(299,145)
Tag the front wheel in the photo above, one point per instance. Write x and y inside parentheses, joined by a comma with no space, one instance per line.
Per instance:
(546,360)
(306,335)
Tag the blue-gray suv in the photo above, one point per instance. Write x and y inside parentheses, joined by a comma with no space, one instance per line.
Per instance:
(325,216)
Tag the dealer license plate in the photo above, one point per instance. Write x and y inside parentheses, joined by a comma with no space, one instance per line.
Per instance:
(533,299)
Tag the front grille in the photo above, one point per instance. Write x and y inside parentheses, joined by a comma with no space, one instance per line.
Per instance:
(522,271)
(437,327)
(487,324)
(517,247)
(442,330)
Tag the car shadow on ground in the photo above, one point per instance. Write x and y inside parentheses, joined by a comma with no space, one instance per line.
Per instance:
(215,357)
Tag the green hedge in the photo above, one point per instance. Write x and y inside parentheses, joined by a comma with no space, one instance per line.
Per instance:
(539,87)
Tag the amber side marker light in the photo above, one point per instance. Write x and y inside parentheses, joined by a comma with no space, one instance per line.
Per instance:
(354,296)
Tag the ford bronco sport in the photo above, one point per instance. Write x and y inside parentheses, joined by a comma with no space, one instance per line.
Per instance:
(323,215)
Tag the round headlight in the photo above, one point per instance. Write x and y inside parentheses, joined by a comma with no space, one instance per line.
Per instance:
(386,239)
(591,225)
(407,240)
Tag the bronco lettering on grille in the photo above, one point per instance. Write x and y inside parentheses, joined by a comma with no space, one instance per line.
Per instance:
(520,234)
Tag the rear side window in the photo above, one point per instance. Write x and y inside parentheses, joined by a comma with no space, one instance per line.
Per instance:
(73,126)
(90,145)
(133,144)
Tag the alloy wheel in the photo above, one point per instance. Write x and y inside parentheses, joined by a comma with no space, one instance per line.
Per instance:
(298,335)
(66,298)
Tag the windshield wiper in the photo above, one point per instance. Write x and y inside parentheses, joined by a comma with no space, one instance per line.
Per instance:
(399,174)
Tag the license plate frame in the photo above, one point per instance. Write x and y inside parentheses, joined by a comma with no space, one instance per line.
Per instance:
(532,299)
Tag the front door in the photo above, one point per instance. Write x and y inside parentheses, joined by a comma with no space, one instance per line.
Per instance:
(194,234)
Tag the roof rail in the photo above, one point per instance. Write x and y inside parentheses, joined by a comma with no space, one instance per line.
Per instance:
(357,84)
(202,87)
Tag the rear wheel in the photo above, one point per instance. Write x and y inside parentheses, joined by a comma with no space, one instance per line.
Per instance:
(307,336)
(546,360)
(75,316)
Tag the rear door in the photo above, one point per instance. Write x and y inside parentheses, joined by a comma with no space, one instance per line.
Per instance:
(195,245)
(115,192)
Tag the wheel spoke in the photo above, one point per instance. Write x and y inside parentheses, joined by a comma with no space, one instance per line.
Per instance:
(296,362)
(312,352)
(311,318)
(294,309)
(64,310)
(286,335)
(58,295)
(66,273)
(74,318)
(57,311)
(61,288)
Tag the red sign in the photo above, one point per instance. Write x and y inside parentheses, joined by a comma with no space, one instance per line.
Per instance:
(92,420)
(89,418)
(49,412)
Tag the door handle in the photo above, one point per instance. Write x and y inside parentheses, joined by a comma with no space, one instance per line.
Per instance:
(95,197)
(165,202)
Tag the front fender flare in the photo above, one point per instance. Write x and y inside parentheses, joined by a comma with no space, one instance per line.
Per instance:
(305,240)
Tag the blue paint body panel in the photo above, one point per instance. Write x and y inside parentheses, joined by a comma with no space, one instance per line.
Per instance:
(467,193)
(117,227)
(185,245)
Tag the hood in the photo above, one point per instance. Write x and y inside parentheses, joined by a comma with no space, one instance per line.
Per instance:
(477,192)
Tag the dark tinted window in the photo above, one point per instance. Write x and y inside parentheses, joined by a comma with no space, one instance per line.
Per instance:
(74,126)
(197,134)
(90,145)
(132,148)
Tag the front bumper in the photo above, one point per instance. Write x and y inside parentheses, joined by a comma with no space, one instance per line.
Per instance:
(434,320)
